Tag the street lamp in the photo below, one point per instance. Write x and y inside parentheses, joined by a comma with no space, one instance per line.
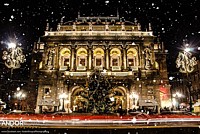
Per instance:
(13,56)
(185,62)
(175,99)
(112,99)
(134,96)
(62,97)
(19,95)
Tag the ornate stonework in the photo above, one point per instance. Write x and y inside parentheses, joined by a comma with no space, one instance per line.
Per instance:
(127,56)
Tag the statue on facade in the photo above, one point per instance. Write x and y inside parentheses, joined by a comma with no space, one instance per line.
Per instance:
(90,26)
(50,57)
(74,26)
(148,57)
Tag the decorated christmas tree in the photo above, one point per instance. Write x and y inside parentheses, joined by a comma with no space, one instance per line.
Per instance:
(99,94)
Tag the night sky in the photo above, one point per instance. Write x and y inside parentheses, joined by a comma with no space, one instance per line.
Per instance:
(173,21)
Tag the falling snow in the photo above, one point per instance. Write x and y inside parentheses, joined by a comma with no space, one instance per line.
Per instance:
(6,4)
(172,21)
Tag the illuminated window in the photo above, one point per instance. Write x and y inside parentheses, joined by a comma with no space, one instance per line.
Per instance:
(81,56)
(115,54)
(65,55)
(155,46)
(130,62)
(66,62)
(40,46)
(46,91)
(98,56)
(115,62)
(132,57)
(98,62)
(82,62)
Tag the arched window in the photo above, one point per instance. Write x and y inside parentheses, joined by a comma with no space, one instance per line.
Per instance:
(81,57)
(98,56)
(115,61)
(132,58)
(65,54)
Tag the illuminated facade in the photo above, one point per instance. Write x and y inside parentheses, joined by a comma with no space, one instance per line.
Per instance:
(133,61)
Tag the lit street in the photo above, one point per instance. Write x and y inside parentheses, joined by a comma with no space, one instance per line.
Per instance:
(98,120)
(108,126)
(102,123)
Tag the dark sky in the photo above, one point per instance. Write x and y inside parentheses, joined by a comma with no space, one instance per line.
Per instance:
(174,20)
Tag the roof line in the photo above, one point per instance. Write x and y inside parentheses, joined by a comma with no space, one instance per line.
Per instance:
(98,17)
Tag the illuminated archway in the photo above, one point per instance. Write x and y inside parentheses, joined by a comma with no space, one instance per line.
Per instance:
(78,103)
(65,55)
(115,55)
(81,57)
(98,56)
(120,97)
(132,57)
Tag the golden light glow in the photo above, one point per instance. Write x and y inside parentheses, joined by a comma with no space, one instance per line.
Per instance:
(81,51)
(115,51)
(132,52)
(65,51)
(98,51)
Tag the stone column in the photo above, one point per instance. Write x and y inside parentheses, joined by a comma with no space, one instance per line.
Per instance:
(107,56)
(72,58)
(56,58)
(128,101)
(90,56)
(124,56)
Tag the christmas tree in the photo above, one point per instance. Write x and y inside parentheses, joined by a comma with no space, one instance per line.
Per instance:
(98,93)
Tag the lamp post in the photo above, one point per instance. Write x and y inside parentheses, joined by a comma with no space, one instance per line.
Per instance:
(62,97)
(13,56)
(134,96)
(19,95)
(185,62)
(176,97)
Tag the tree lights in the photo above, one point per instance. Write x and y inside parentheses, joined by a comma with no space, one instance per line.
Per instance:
(99,95)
